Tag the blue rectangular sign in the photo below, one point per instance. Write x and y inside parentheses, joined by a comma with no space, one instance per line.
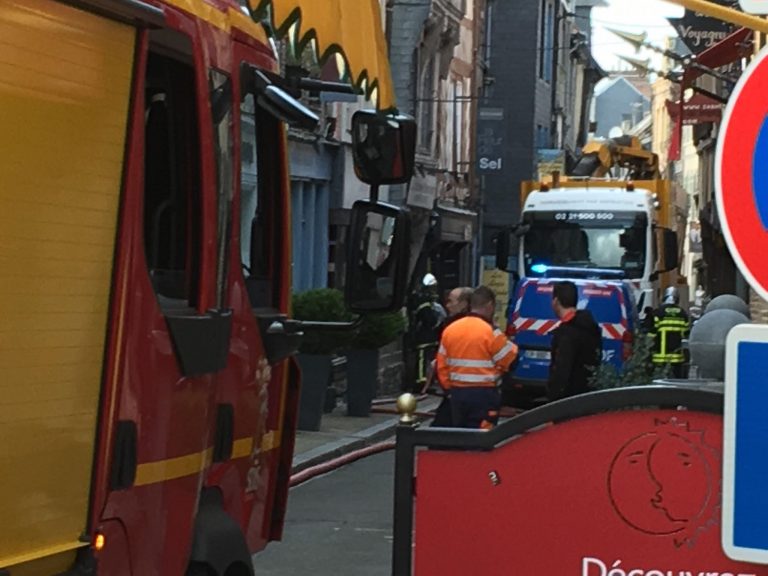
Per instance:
(745,446)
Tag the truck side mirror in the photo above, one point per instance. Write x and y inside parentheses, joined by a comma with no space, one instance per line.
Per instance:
(507,244)
(377,264)
(383,147)
(669,250)
(503,246)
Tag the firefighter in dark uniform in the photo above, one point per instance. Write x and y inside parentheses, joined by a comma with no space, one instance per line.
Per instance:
(425,318)
(670,327)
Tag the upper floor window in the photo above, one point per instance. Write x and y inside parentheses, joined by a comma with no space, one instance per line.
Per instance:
(546,41)
(426,105)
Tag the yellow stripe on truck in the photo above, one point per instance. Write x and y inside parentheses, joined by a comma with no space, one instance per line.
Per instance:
(65,78)
(172,468)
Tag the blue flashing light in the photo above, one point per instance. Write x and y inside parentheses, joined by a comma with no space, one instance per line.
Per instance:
(539,268)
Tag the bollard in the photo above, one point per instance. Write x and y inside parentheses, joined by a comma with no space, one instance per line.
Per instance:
(404,481)
(728,302)
(707,341)
(406,407)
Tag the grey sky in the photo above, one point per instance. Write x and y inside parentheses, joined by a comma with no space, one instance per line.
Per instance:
(635,16)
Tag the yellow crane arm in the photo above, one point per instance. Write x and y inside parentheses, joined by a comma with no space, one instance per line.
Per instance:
(724,13)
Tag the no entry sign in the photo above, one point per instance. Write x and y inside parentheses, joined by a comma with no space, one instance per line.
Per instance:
(741,174)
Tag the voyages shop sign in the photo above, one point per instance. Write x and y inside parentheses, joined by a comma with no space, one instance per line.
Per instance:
(700,32)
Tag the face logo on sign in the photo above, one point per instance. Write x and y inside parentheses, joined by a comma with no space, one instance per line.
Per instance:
(663,482)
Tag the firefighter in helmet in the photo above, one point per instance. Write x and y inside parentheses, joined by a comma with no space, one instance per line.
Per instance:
(426,316)
(670,328)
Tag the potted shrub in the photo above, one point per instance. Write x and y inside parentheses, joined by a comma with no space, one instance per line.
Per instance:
(317,349)
(376,330)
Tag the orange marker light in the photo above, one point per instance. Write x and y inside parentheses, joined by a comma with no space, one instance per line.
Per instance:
(99,542)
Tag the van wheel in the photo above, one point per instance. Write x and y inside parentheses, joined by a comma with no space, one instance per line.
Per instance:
(199,569)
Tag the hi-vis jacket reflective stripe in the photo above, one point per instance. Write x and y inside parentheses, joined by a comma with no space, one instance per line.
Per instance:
(474,354)
(669,328)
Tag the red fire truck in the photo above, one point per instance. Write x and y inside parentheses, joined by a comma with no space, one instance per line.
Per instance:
(148,402)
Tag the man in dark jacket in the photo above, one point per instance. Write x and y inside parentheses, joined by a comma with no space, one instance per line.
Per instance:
(576,345)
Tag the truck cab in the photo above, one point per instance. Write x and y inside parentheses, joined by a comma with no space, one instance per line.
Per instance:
(586,228)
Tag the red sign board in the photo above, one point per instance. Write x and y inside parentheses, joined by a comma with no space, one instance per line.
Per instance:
(698,110)
(741,174)
(631,493)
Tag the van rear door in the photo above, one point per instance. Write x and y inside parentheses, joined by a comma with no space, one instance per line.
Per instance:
(64,97)
(607,304)
(532,320)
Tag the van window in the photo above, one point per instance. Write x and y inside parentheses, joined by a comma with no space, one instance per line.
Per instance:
(602,302)
(172,178)
(223,145)
(537,301)
(261,238)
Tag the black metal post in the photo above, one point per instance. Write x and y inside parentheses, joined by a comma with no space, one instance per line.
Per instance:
(403,508)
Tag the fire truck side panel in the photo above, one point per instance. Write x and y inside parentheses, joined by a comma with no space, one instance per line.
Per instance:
(144,242)
(164,418)
(182,421)
(64,97)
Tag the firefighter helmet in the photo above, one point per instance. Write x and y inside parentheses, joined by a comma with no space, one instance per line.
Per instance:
(671,296)
(429,280)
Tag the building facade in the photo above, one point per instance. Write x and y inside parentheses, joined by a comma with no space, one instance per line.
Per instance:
(433,48)
(539,78)
(620,103)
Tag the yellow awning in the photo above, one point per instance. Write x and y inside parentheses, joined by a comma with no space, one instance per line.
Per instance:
(351,28)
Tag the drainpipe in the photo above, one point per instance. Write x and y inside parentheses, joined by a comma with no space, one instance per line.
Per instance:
(557,22)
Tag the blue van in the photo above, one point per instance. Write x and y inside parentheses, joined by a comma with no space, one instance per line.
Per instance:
(530,321)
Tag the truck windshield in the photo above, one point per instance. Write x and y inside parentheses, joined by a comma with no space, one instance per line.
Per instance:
(585,239)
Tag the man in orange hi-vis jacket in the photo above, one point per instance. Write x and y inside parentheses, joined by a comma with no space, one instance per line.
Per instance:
(472,357)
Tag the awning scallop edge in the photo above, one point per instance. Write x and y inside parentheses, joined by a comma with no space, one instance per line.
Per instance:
(351,28)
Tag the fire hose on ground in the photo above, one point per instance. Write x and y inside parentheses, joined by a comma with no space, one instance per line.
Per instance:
(379,407)
(334,464)
(331,465)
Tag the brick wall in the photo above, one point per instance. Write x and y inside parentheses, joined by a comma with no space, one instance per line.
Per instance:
(758,307)
(390,370)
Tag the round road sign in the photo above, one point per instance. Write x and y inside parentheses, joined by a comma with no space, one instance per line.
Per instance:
(741,174)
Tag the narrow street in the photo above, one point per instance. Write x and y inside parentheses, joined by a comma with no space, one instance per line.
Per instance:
(339,524)
(517,246)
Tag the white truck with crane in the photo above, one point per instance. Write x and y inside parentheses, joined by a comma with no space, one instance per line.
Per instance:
(610,218)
